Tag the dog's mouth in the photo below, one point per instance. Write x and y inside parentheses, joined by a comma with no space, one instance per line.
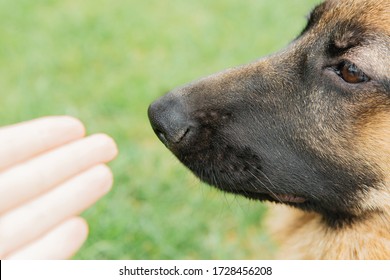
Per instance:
(275,197)
(288,198)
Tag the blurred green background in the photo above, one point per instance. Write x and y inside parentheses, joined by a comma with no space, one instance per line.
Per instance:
(104,62)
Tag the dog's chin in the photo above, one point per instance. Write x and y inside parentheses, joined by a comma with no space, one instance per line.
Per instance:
(243,172)
(237,171)
(333,217)
(251,181)
(245,187)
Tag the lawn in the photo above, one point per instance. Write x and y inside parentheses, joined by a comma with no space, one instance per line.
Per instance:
(105,62)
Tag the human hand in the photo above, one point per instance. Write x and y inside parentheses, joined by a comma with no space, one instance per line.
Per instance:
(49,173)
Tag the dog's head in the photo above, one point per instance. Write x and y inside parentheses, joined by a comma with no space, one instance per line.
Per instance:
(308,126)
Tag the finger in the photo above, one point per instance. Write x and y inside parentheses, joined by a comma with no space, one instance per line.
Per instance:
(21,141)
(60,243)
(26,223)
(27,180)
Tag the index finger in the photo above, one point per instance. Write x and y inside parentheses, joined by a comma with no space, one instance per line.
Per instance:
(22,141)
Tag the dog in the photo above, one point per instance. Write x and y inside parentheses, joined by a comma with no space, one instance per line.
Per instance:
(307,128)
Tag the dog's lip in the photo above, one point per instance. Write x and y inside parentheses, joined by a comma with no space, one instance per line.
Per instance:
(283,198)
(288,198)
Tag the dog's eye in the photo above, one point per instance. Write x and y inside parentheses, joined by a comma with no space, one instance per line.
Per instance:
(350,73)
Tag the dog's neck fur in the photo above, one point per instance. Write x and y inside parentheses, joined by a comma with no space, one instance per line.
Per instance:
(306,236)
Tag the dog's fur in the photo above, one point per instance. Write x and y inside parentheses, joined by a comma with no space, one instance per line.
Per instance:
(308,127)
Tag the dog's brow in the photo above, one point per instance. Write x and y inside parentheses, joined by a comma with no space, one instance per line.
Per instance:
(347,35)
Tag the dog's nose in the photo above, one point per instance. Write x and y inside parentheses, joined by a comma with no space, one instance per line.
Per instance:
(169,120)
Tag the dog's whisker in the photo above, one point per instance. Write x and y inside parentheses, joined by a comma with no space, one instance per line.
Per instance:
(265,186)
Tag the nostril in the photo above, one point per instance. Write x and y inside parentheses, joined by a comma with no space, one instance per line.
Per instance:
(172,139)
(161,136)
(170,121)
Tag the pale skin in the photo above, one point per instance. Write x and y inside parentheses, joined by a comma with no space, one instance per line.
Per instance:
(49,173)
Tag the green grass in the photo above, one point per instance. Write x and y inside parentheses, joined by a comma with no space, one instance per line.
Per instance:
(105,62)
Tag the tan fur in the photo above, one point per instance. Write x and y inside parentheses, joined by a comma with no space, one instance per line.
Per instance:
(305,236)
(374,142)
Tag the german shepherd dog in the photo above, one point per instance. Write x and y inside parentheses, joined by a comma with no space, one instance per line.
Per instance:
(307,128)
